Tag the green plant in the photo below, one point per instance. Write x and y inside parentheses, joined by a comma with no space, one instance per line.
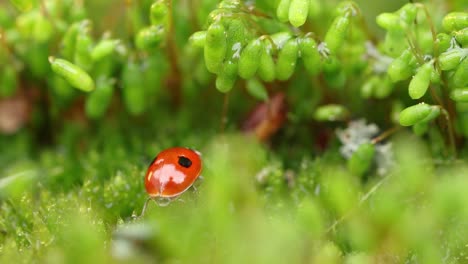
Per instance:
(90,91)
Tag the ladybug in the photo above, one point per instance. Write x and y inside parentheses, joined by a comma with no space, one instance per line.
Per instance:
(172,172)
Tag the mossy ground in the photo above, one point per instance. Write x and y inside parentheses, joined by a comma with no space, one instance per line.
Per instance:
(79,199)
(71,189)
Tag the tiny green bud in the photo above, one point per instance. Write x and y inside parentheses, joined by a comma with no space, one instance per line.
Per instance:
(384,88)
(421,80)
(397,107)
(282,11)
(279,39)
(444,42)
(68,43)
(198,39)
(435,76)
(460,95)
(462,37)
(256,89)
(298,10)
(42,29)
(266,69)
(389,21)
(215,47)
(408,13)
(61,89)
(74,75)
(229,4)
(450,59)
(425,40)
(336,34)
(394,43)
(420,128)
(98,101)
(455,21)
(104,48)
(310,55)
(83,48)
(435,112)
(346,8)
(367,89)
(315,8)
(287,58)
(133,89)
(361,160)
(333,72)
(416,113)
(227,78)
(150,37)
(159,13)
(249,60)
(331,112)
(460,77)
(402,67)
(236,32)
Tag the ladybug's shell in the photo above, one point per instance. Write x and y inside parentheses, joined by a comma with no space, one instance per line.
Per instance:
(172,172)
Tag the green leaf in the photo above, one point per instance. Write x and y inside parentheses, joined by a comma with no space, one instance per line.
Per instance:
(421,80)
(298,10)
(74,75)
(331,112)
(460,95)
(455,21)
(257,89)
(249,60)
(215,47)
(361,160)
(287,58)
(417,113)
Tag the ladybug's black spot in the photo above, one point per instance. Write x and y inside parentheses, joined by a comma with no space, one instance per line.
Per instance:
(184,162)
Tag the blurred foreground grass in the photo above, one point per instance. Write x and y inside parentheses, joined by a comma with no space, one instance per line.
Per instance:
(79,202)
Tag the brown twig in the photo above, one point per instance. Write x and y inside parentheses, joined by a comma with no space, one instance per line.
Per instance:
(224,112)
(173,81)
(385,134)
(451,132)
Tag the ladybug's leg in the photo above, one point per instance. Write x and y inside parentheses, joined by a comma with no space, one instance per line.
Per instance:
(197,182)
(195,189)
(145,205)
(163,201)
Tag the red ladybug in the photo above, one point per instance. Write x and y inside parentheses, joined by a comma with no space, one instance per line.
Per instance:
(172,172)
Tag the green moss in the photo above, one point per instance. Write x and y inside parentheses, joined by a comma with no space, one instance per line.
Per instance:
(72,185)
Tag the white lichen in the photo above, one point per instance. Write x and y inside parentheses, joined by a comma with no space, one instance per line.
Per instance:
(357,133)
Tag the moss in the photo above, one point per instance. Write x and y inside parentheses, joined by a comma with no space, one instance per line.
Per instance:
(71,186)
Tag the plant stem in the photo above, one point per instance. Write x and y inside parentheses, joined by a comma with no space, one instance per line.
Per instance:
(193,15)
(273,45)
(385,134)
(431,25)
(364,198)
(435,96)
(4,43)
(224,112)
(145,206)
(173,81)
(451,132)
